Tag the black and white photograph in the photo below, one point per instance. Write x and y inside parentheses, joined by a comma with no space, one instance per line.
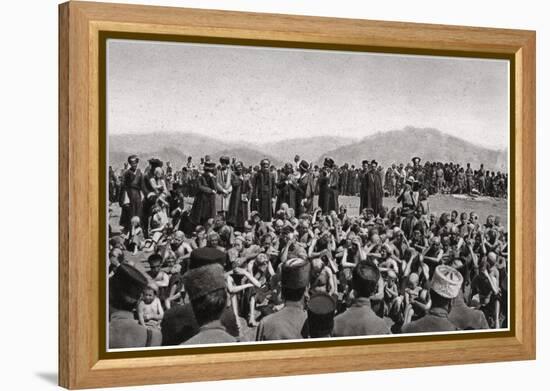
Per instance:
(260,194)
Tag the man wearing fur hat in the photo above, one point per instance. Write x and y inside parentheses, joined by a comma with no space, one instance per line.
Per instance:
(288,323)
(445,286)
(224,187)
(204,204)
(328,187)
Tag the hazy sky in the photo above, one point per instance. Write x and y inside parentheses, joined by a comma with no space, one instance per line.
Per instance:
(267,94)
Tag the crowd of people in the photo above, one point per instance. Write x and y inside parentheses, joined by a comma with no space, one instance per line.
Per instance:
(269,254)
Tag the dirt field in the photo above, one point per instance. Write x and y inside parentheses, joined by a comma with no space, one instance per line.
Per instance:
(483,206)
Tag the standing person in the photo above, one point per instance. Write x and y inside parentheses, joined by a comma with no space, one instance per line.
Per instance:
(237,212)
(288,323)
(363,186)
(469,179)
(344,175)
(169,176)
(305,189)
(445,286)
(264,191)
(125,289)
(190,165)
(360,319)
(375,188)
(223,181)
(481,181)
(416,168)
(328,187)
(286,186)
(113,185)
(389,182)
(296,164)
(204,205)
(439,178)
(131,195)
(149,190)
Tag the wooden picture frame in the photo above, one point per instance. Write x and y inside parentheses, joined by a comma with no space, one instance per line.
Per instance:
(82,364)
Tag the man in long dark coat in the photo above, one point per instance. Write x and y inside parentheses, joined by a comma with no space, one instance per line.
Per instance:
(363,189)
(264,191)
(305,190)
(286,186)
(375,180)
(372,192)
(352,179)
(237,213)
(131,194)
(204,205)
(344,174)
(328,187)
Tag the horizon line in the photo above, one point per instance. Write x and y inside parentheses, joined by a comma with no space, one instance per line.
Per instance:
(352,139)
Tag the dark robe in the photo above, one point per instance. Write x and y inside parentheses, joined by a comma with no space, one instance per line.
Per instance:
(343,185)
(148,202)
(252,180)
(328,191)
(264,191)
(204,205)
(113,186)
(132,187)
(363,191)
(372,192)
(237,213)
(304,191)
(286,192)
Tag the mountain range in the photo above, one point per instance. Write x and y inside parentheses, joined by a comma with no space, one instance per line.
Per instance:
(385,147)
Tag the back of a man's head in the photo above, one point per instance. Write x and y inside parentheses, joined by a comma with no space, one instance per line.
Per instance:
(209,307)
(206,288)
(365,279)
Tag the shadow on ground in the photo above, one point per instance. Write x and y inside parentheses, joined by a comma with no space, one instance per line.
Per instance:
(48,377)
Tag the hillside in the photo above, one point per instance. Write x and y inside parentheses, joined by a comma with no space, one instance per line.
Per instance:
(309,149)
(169,154)
(386,148)
(429,144)
(188,144)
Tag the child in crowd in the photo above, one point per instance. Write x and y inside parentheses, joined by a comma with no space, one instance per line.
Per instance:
(150,311)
